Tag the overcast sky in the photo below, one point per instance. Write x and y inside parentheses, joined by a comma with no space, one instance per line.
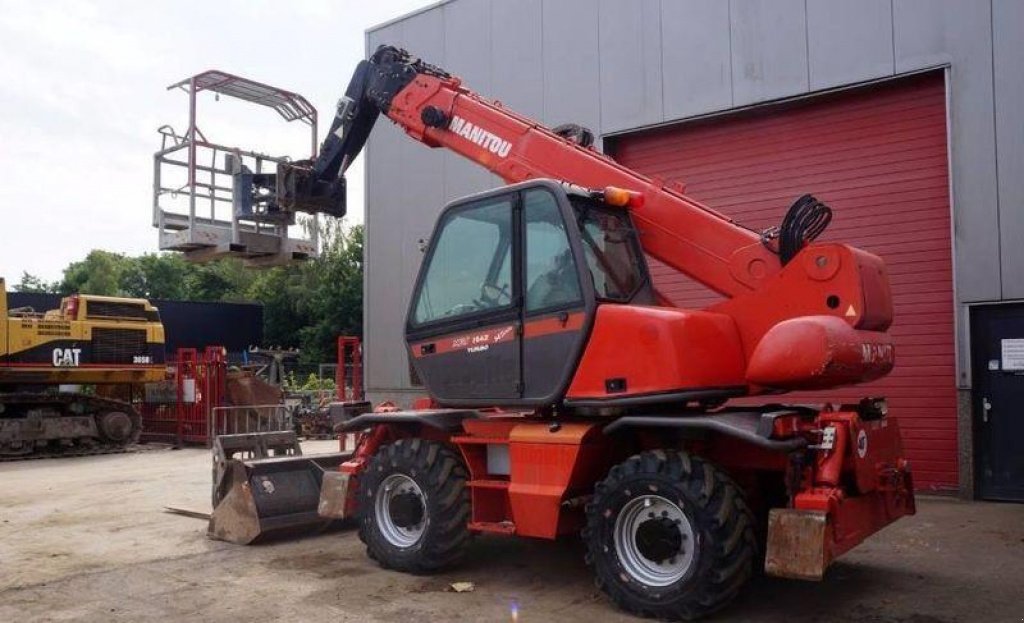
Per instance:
(83,90)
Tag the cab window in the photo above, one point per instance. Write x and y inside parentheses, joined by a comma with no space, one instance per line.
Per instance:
(551,279)
(470,266)
(611,252)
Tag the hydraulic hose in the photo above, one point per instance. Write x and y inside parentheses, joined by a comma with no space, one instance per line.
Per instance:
(805,220)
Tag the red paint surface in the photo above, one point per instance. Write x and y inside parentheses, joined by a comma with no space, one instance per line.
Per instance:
(695,240)
(878,157)
(658,350)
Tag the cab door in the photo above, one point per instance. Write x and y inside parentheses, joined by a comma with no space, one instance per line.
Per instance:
(503,302)
(556,289)
(464,320)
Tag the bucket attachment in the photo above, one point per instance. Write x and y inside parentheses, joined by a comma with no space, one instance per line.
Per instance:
(263,485)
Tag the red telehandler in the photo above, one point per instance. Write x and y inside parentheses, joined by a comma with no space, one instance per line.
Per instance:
(568,397)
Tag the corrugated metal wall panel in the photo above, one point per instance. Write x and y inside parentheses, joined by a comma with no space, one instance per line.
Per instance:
(848,42)
(768,40)
(933,32)
(1008,58)
(878,156)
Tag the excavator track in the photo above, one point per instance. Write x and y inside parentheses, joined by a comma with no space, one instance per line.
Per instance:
(24,407)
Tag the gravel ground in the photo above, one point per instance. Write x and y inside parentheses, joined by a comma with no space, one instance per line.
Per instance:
(86,539)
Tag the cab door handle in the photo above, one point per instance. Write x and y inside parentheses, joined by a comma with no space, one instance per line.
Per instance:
(986,406)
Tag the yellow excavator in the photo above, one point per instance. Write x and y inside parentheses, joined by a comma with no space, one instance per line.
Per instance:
(61,369)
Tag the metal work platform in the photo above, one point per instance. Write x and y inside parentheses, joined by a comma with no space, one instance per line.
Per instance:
(197,206)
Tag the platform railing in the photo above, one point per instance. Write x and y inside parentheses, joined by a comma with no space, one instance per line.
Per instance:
(243,419)
(203,203)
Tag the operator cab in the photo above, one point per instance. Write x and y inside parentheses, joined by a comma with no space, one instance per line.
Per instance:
(509,288)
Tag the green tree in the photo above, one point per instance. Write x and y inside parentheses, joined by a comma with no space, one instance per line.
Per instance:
(223,280)
(336,295)
(99,273)
(157,276)
(310,304)
(283,291)
(31,283)
(306,305)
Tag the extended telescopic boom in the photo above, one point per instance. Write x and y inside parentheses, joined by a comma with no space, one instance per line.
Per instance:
(434,108)
(817,297)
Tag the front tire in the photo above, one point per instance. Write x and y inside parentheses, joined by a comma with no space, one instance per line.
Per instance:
(669,536)
(414,507)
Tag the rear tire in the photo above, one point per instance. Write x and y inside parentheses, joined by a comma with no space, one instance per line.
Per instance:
(669,536)
(414,507)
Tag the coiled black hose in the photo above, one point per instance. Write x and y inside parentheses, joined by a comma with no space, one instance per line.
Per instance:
(805,220)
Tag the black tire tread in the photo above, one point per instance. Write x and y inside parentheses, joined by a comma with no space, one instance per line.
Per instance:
(720,513)
(440,473)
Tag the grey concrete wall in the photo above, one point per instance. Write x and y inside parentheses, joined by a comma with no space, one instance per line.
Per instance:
(618,65)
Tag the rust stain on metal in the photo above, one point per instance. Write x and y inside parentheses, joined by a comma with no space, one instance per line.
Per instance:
(236,519)
(333,495)
(797,544)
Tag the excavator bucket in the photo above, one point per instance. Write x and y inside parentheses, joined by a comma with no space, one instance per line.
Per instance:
(264,486)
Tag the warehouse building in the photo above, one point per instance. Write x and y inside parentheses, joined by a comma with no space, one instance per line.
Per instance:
(905,116)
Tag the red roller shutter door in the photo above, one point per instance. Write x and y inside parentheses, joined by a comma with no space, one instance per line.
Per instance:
(878,157)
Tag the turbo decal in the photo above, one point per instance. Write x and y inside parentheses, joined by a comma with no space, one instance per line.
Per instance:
(481,341)
(475,342)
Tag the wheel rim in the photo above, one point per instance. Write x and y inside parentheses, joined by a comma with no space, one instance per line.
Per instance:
(654,540)
(401,510)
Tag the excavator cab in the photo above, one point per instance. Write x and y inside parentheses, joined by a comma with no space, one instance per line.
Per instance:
(509,287)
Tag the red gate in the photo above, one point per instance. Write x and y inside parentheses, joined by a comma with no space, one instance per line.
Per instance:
(178,411)
(349,373)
